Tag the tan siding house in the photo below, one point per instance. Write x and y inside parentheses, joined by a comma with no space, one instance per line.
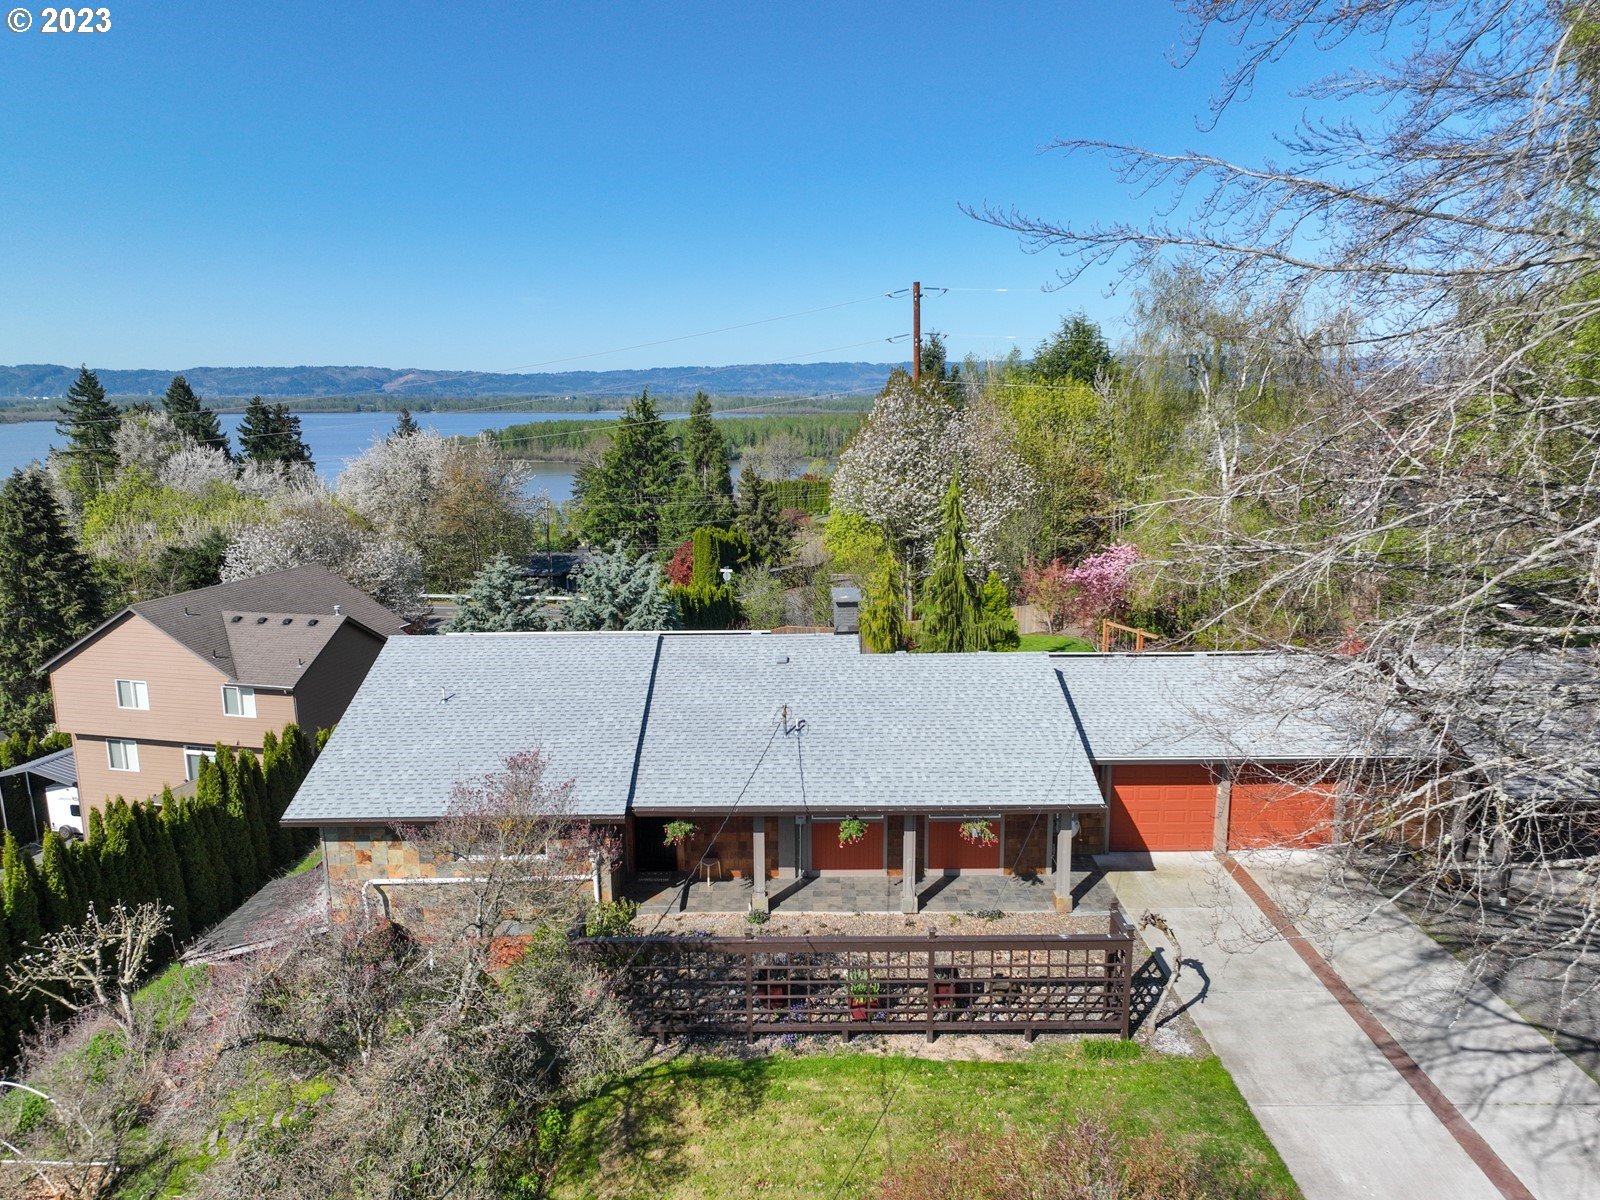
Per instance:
(166,680)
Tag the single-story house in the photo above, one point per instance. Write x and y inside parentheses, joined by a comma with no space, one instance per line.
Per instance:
(766,743)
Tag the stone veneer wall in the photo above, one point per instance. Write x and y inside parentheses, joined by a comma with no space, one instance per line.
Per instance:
(352,855)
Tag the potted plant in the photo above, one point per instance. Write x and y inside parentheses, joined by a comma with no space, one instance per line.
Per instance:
(851,831)
(863,995)
(679,832)
(945,994)
(979,833)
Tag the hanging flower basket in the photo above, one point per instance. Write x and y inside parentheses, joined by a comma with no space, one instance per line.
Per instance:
(678,832)
(851,831)
(979,833)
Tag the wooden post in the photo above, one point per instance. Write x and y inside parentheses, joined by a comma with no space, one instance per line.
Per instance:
(1219,829)
(759,901)
(908,866)
(1064,834)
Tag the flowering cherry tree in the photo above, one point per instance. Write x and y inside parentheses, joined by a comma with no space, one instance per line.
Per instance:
(1097,587)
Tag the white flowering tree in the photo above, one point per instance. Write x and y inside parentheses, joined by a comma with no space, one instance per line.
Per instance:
(897,468)
(316,528)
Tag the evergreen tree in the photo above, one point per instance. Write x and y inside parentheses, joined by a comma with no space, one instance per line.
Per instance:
(19,892)
(621,497)
(761,522)
(236,809)
(270,433)
(86,868)
(883,608)
(704,493)
(199,882)
(999,622)
(168,871)
(48,597)
(89,422)
(192,417)
(58,900)
(253,790)
(501,600)
(951,613)
(405,427)
(618,591)
(97,830)
(125,862)
(1077,353)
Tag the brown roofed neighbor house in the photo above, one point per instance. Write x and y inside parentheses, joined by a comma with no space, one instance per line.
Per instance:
(150,692)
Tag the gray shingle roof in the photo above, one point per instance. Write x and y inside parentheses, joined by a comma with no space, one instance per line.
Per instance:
(437,710)
(196,620)
(969,732)
(274,649)
(1201,707)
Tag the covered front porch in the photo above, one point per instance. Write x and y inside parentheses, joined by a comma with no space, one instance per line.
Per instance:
(844,894)
(898,861)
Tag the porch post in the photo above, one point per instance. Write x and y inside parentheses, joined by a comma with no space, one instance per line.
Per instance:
(908,867)
(1064,835)
(1219,828)
(758,839)
(788,858)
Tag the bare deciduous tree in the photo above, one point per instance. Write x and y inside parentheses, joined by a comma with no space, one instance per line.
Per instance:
(1428,240)
(98,965)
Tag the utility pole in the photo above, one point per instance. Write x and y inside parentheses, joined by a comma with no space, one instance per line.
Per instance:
(916,332)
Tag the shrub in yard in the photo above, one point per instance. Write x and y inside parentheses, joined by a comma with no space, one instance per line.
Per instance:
(1083,1159)
(611,918)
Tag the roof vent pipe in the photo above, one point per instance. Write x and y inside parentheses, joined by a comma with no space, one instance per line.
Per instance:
(337,610)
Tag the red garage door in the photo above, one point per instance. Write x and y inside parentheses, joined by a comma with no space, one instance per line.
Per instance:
(1280,806)
(828,855)
(1162,808)
(949,851)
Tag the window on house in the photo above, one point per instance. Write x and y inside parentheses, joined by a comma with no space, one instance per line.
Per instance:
(132,693)
(238,701)
(193,756)
(123,755)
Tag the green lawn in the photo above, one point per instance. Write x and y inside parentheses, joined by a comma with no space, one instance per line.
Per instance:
(795,1126)
(1054,642)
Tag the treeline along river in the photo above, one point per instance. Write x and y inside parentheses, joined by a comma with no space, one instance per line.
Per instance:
(554,443)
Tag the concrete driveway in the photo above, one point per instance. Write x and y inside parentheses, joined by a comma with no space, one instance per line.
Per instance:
(1346,1120)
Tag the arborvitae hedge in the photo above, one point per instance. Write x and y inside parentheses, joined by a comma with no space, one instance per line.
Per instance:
(702,607)
(807,495)
(200,856)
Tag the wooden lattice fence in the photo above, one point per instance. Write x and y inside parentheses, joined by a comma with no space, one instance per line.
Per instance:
(988,983)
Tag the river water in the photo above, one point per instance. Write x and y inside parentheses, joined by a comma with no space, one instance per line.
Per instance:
(335,437)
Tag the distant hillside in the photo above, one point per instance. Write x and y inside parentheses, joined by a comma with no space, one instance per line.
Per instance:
(48,381)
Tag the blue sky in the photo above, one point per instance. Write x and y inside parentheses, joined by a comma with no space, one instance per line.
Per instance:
(500,186)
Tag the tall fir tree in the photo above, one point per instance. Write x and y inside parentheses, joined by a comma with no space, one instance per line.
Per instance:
(760,521)
(501,599)
(48,597)
(270,433)
(89,422)
(199,879)
(622,497)
(192,417)
(704,493)
(999,624)
(952,617)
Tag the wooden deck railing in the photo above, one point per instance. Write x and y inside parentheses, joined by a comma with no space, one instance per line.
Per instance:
(985,983)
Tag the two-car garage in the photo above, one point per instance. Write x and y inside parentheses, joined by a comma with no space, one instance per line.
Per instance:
(1179,806)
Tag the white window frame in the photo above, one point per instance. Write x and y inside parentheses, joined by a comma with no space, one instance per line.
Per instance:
(199,754)
(246,697)
(130,754)
(138,692)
